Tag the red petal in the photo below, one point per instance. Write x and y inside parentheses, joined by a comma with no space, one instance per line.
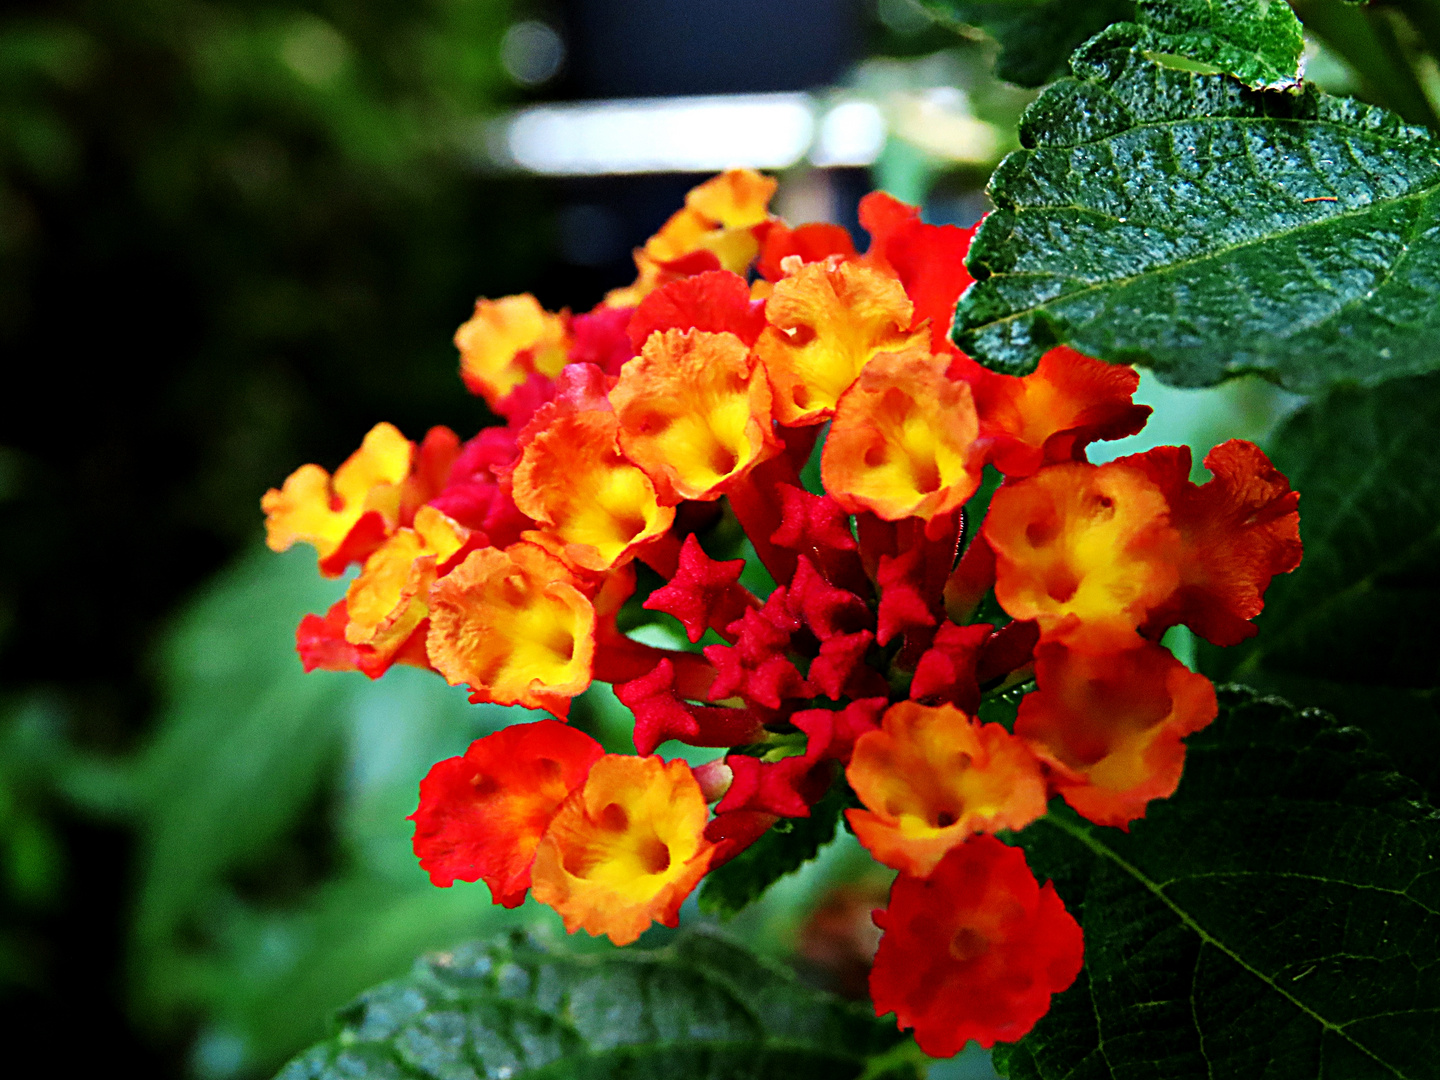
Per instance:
(717,302)
(947,670)
(812,242)
(704,592)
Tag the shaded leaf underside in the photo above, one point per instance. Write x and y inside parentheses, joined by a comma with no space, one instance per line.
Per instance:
(1353,629)
(1036,37)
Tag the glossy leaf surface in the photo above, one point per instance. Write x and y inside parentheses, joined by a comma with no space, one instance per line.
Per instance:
(1259,42)
(1184,222)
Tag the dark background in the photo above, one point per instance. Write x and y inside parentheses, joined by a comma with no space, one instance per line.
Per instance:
(229,245)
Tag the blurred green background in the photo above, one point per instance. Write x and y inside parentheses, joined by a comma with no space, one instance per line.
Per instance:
(233,236)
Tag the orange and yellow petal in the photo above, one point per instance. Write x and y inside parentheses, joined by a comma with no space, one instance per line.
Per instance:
(1050,415)
(573,479)
(1087,551)
(694,412)
(718,221)
(933,776)
(827,321)
(720,216)
(505,341)
(1110,725)
(512,626)
(390,597)
(481,816)
(314,507)
(903,439)
(626,849)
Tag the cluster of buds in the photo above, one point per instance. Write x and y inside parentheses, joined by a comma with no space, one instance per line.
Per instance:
(696,399)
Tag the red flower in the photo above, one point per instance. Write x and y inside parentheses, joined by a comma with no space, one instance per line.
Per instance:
(703,592)
(481,816)
(974,951)
(1237,532)
(929,260)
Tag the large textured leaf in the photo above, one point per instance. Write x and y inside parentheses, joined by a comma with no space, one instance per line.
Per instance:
(1184,222)
(1354,629)
(1036,36)
(701,1007)
(1278,917)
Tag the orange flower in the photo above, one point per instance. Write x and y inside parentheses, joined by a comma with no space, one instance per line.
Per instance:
(694,412)
(388,601)
(1237,531)
(625,849)
(1053,413)
(974,951)
(507,340)
(481,816)
(719,218)
(932,776)
(363,496)
(573,479)
(1110,726)
(1088,551)
(828,320)
(902,439)
(513,626)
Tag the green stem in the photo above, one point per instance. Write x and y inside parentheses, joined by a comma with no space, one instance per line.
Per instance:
(1367,41)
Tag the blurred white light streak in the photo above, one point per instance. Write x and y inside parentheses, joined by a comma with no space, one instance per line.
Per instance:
(758,131)
(852,133)
(691,134)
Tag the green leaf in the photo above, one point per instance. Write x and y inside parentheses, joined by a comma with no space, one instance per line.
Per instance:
(789,845)
(1258,42)
(1279,916)
(1036,36)
(276,977)
(243,743)
(1354,629)
(701,1007)
(1181,221)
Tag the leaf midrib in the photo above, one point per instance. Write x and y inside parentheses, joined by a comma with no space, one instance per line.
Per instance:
(1084,837)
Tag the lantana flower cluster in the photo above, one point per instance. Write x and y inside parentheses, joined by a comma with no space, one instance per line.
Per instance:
(695,397)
